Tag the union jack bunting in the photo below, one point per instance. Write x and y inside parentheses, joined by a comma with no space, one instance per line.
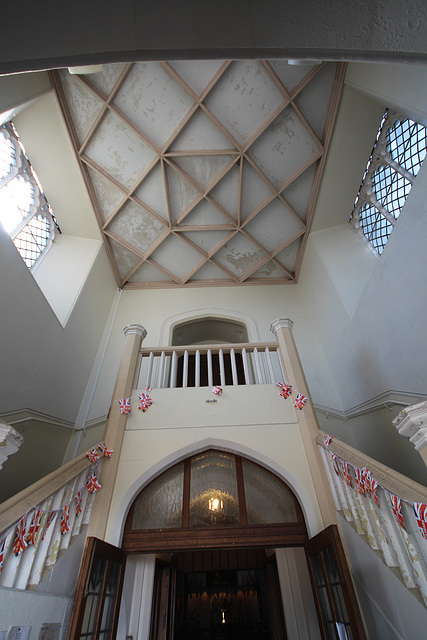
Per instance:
(148,389)
(327,441)
(65,519)
(107,452)
(20,542)
(2,546)
(50,517)
(124,405)
(145,402)
(93,455)
(367,480)
(217,391)
(373,492)
(285,390)
(335,464)
(92,483)
(396,506)
(360,480)
(420,510)
(300,401)
(78,499)
(34,527)
(345,472)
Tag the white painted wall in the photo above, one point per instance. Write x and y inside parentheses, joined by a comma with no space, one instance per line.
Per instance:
(390,611)
(44,366)
(30,609)
(63,271)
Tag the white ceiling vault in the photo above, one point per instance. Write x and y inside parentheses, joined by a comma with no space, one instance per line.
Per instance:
(203,172)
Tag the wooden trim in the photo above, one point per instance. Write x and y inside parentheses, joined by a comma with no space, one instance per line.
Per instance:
(391,480)
(243,516)
(204,348)
(186,494)
(271,535)
(14,508)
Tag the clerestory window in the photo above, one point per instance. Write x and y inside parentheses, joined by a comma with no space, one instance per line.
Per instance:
(24,210)
(399,150)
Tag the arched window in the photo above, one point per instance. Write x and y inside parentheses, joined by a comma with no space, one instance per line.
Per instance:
(215,498)
(210,330)
(24,210)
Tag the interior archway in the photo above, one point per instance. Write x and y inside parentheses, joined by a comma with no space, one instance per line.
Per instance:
(214,500)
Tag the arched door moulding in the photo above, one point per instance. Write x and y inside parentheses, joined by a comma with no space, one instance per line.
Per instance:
(115,528)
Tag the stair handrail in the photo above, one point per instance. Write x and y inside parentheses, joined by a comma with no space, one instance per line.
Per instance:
(393,481)
(12,509)
(204,348)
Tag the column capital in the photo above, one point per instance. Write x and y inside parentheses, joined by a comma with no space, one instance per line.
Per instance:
(281,323)
(135,328)
(412,423)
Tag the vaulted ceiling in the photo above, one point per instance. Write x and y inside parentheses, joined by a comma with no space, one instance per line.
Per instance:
(202,172)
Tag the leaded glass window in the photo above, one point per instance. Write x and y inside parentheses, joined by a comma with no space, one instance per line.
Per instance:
(399,150)
(24,210)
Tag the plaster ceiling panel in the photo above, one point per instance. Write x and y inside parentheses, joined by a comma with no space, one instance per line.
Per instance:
(153,101)
(244,98)
(119,150)
(152,192)
(205,213)
(269,270)
(254,190)
(148,273)
(83,104)
(137,227)
(181,192)
(200,133)
(284,147)
(203,169)
(290,74)
(209,271)
(226,192)
(197,73)
(298,192)
(207,240)
(314,98)
(105,80)
(107,194)
(239,255)
(274,225)
(288,256)
(125,259)
(176,256)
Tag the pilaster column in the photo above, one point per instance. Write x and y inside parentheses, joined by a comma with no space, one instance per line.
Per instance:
(412,423)
(292,367)
(115,428)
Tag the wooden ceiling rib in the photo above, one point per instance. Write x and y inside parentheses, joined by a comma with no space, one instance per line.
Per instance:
(162,191)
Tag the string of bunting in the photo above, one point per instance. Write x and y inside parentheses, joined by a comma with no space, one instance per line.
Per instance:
(28,526)
(145,401)
(285,392)
(367,485)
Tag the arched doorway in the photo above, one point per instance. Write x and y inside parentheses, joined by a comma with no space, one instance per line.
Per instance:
(201,541)
(214,520)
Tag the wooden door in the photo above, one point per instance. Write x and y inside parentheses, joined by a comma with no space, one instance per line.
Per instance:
(334,594)
(97,601)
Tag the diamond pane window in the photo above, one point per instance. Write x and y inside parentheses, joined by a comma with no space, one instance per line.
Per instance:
(399,150)
(24,211)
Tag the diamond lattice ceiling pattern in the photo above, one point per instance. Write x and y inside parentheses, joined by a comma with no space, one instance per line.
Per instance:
(202,172)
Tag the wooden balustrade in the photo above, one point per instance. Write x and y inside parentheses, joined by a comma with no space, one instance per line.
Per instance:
(208,365)
(404,550)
